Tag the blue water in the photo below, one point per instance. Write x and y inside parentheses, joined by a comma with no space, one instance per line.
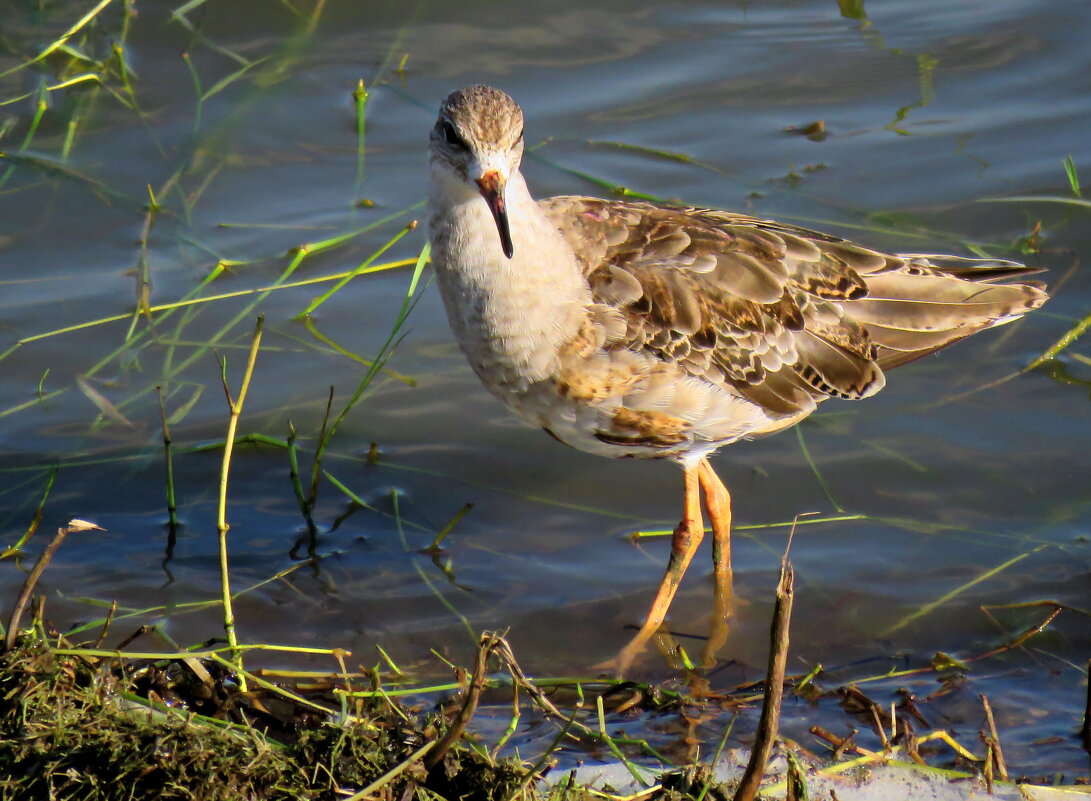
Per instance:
(930,108)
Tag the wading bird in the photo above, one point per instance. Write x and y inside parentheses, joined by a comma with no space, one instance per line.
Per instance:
(637,330)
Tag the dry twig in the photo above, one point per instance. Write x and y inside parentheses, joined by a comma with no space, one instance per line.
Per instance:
(774,687)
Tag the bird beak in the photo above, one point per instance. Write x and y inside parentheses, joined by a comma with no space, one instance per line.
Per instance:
(491,186)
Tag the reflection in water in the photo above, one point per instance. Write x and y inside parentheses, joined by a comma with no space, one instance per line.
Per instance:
(926,64)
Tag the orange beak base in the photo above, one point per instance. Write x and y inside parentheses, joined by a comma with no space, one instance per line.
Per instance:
(492,189)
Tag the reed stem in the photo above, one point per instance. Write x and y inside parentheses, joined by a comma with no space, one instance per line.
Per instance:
(235,406)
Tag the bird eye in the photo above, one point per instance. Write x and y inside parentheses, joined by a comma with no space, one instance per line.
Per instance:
(452,138)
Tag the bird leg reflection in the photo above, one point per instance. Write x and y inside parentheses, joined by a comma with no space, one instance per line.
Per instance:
(687,536)
(699,479)
(718,506)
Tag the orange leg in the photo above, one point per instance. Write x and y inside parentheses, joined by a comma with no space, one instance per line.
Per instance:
(686,538)
(718,505)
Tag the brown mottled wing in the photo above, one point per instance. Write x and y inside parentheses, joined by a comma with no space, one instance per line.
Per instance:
(786,316)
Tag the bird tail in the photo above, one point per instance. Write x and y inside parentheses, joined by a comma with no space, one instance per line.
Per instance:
(934,301)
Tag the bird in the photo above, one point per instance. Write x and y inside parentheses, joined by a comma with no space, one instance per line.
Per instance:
(638,330)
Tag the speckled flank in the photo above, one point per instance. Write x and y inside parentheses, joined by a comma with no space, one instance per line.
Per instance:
(645,429)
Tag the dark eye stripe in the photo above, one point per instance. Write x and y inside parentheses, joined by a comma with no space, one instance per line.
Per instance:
(452,137)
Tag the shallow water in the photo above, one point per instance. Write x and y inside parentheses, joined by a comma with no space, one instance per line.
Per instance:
(962,494)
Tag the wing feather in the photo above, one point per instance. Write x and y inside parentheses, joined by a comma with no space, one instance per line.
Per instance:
(780,315)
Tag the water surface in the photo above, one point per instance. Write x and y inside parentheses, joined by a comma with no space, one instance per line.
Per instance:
(964,495)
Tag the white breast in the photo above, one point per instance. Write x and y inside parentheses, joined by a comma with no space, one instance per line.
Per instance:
(510,316)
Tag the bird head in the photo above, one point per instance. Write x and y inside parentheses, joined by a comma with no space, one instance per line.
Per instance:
(479,137)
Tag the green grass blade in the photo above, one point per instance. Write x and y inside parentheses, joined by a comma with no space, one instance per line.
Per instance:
(1067,201)
(56,44)
(360,96)
(931,606)
(1057,347)
(1073,176)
